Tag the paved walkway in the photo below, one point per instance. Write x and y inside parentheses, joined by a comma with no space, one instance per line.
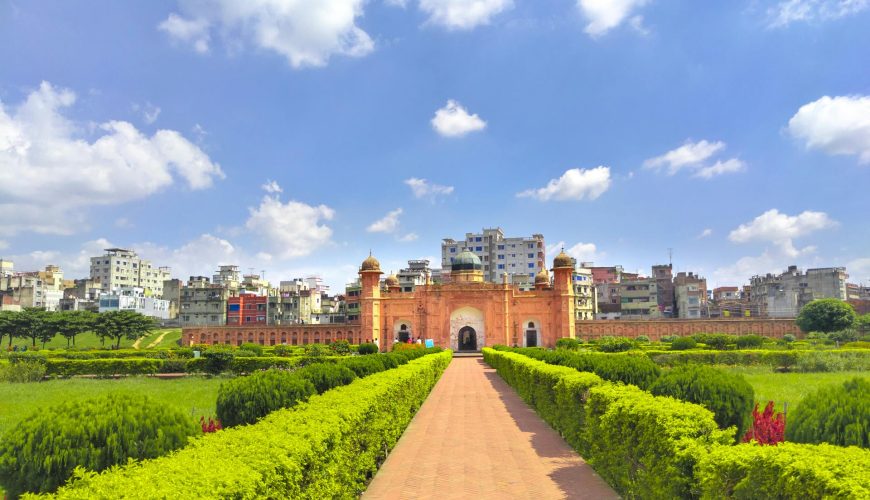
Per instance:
(475,438)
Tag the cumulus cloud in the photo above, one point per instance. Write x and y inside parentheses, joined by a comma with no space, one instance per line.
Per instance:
(859,270)
(272,187)
(291,229)
(409,238)
(836,125)
(424,189)
(705,233)
(198,257)
(583,252)
(604,15)
(789,11)
(50,173)
(454,121)
(305,32)
(781,229)
(387,224)
(574,184)
(463,14)
(693,156)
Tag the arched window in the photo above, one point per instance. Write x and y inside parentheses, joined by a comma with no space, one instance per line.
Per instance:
(531,324)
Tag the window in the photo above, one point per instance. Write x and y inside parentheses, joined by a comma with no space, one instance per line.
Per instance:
(531,275)
(478,249)
(531,245)
(501,266)
(501,247)
(234,307)
(477,239)
(531,265)
(453,250)
(501,257)
(531,256)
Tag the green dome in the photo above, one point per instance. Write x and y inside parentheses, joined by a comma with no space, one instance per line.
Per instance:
(466,261)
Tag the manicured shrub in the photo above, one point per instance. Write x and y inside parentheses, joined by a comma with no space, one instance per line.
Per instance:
(634,369)
(40,453)
(668,338)
(727,395)
(340,347)
(244,353)
(642,339)
(615,344)
(717,341)
(325,376)
(257,349)
(217,360)
(364,366)
(860,344)
(286,350)
(367,348)
(567,343)
(683,343)
(328,448)
(316,350)
(102,367)
(245,400)
(749,341)
(788,337)
(22,371)
(837,415)
(826,315)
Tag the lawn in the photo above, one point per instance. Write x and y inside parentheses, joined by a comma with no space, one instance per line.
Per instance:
(195,396)
(788,388)
(90,340)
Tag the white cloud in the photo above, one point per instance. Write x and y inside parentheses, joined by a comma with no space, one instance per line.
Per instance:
(836,125)
(788,11)
(705,233)
(291,229)
(192,31)
(50,173)
(305,32)
(690,154)
(197,257)
(463,14)
(729,166)
(150,113)
(859,270)
(272,187)
(4,244)
(423,189)
(454,121)
(583,252)
(387,224)
(781,229)
(604,15)
(574,184)
(409,238)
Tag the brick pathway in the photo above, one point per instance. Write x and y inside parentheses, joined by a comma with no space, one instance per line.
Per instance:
(475,438)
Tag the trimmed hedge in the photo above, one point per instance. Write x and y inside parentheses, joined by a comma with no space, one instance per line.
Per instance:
(325,376)
(634,369)
(103,367)
(248,399)
(786,470)
(794,360)
(837,414)
(328,447)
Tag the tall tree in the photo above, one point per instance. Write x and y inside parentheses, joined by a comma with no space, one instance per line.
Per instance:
(826,315)
(122,324)
(72,323)
(47,330)
(7,325)
(29,323)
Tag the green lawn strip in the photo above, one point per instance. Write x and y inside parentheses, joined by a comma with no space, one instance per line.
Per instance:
(788,388)
(170,339)
(91,341)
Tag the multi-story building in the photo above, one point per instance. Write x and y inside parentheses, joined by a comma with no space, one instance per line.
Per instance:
(351,296)
(247,309)
(690,293)
(726,293)
(521,258)
(41,289)
(584,292)
(131,298)
(663,274)
(639,299)
(172,293)
(417,273)
(7,267)
(203,303)
(857,292)
(228,276)
(783,295)
(120,267)
(253,283)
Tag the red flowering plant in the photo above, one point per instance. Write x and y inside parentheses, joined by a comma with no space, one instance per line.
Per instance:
(212,425)
(768,427)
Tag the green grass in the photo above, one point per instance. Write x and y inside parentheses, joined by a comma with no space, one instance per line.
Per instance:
(90,340)
(788,388)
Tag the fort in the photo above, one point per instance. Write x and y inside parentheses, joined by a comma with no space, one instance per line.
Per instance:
(465,313)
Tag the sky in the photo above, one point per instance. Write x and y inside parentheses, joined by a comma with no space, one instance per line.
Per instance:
(294,137)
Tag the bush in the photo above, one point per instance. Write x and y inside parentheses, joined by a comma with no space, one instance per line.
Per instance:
(727,395)
(860,344)
(634,369)
(328,448)
(257,349)
(717,341)
(340,347)
(244,353)
(368,348)
(217,360)
(40,453)
(247,399)
(567,343)
(642,339)
(286,350)
(668,338)
(615,344)
(826,315)
(22,371)
(683,343)
(102,367)
(326,376)
(364,366)
(788,337)
(317,350)
(749,341)
(837,415)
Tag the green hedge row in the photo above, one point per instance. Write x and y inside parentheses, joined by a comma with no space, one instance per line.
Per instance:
(328,447)
(103,367)
(649,446)
(800,361)
(248,365)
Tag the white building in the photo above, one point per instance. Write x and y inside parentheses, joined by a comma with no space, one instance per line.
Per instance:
(783,295)
(130,298)
(415,274)
(123,268)
(521,257)
(42,289)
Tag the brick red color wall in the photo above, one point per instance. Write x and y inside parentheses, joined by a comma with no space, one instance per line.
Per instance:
(271,335)
(655,329)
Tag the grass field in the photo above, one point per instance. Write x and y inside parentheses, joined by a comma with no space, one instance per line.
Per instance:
(90,340)
(788,388)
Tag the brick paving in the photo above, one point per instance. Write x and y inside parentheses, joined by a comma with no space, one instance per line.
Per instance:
(475,438)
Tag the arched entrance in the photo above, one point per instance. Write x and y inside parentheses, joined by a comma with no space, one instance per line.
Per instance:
(531,339)
(467,339)
(404,333)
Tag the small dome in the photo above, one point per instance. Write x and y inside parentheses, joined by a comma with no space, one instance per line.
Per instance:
(563,260)
(391,280)
(370,264)
(466,261)
(542,278)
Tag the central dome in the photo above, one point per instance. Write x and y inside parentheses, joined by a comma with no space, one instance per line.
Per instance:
(466,261)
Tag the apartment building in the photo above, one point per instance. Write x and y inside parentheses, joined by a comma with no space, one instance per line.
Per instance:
(417,273)
(203,303)
(132,298)
(584,292)
(663,274)
(228,276)
(351,296)
(783,295)
(247,309)
(690,292)
(520,257)
(639,299)
(42,289)
(172,293)
(120,267)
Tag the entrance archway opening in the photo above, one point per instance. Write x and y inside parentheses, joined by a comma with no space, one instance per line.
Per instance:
(531,335)
(467,339)
(404,334)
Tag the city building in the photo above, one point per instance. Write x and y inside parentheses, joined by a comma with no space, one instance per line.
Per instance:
(41,289)
(690,292)
(352,296)
(639,299)
(120,267)
(417,273)
(227,276)
(663,274)
(133,298)
(726,293)
(783,295)
(7,267)
(584,292)
(247,309)
(172,293)
(203,303)
(521,258)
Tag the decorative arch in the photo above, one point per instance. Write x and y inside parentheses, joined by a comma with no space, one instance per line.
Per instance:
(530,334)
(403,330)
(467,317)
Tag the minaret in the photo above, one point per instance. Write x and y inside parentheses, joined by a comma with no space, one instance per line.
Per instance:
(370,300)
(563,286)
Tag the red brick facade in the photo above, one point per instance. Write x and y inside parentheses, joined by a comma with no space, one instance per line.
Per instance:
(272,335)
(655,329)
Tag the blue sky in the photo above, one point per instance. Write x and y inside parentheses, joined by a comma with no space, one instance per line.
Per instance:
(292,137)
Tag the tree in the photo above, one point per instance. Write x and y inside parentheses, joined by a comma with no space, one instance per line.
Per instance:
(71,323)
(7,325)
(826,315)
(30,324)
(122,324)
(46,330)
